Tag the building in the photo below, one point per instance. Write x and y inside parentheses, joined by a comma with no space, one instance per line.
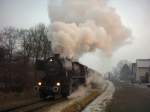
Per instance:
(133,69)
(142,70)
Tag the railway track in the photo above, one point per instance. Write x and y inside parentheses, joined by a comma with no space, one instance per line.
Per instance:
(33,107)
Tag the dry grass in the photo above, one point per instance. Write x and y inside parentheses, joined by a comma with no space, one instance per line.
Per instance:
(79,105)
(12,99)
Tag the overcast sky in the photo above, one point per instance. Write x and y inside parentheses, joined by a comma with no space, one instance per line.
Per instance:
(135,14)
(23,13)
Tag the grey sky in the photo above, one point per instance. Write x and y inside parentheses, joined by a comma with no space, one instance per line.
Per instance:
(135,14)
(23,13)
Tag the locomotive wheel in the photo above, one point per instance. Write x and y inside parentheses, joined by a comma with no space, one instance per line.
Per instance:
(64,95)
(70,90)
(66,90)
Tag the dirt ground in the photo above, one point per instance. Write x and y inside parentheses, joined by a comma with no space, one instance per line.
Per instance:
(13,99)
(129,98)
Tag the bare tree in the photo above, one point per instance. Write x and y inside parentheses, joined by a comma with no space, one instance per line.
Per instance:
(18,46)
(25,44)
(123,70)
(9,40)
(41,47)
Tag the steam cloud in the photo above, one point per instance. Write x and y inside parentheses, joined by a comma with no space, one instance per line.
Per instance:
(81,26)
(94,81)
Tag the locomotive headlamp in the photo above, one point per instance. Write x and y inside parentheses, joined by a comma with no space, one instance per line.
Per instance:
(39,83)
(51,60)
(58,83)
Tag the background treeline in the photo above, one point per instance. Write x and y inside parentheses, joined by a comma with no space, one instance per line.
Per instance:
(123,71)
(19,49)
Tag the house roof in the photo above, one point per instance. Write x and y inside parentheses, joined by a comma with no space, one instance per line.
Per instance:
(143,63)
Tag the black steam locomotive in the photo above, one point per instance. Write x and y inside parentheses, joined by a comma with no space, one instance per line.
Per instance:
(61,76)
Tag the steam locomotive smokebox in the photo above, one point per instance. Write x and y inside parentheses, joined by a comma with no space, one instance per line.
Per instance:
(40,64)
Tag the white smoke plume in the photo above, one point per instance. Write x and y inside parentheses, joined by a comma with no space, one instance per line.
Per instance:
(95,80)
(81,26)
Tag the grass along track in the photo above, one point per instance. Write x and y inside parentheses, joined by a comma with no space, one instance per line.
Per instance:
(33,106)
